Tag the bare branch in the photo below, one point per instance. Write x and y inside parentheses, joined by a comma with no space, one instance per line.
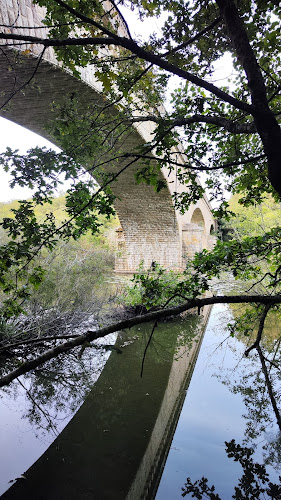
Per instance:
(35,341)
(47,417)
(147,346)
(54,42)
(154,59)
(89,336)
(115,6)
(17,90)
(269,387)
(272,363)
(200,168)
(229,125)
(194,38)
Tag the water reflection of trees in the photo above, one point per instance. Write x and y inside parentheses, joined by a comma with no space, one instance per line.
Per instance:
(254,483)
(260,417)
(258,380)
(56,390)
(256,377)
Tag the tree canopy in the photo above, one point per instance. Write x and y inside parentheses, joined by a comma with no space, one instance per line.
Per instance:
(230,132)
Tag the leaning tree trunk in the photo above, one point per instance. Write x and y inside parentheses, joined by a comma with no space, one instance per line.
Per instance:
(265,121)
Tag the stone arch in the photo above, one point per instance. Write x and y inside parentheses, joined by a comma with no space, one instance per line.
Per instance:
(197,218)
(150,229)
(194,235)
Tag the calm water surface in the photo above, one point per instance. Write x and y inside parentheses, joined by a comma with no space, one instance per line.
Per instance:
(34,414)
(211,415)
(35,409)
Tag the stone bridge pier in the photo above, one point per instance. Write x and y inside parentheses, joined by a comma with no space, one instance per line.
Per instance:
(151,229)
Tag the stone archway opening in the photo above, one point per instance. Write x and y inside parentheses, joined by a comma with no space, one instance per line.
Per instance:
(150,230)
(193,236)
(197,218)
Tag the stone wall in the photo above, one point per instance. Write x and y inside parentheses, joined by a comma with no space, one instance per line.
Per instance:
(152,230)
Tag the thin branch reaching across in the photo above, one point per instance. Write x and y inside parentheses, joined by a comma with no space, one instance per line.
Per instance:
(89,336)
(54,42)
(147,346)
(269,386)
(133,47)
(153,330)
(44,27)
(272,363)
(156,59)
(219,121)
(16,91)
(115,6)
(194,38)
(35,341)
(10,64)
(191,167)
(81,209)
(47,417)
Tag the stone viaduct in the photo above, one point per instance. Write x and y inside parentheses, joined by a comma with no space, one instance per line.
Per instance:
(151,229)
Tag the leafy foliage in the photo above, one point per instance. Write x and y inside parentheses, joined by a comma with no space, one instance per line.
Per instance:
(26,259)
(158,287)
(256,219)
(229,130)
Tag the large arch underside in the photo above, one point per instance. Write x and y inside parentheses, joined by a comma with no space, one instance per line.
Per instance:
(148,219)
(151,229)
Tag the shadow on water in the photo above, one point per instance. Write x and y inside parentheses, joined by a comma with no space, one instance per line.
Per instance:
(116,443)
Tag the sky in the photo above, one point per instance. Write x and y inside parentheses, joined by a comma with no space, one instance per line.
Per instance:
(16,137)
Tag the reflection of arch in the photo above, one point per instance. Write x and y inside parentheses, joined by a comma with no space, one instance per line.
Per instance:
(197,218)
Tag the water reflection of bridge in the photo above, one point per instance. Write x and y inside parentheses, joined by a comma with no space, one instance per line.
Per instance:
(116,444)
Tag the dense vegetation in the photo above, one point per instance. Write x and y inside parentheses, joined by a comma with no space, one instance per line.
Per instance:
(254,220)
(73,286)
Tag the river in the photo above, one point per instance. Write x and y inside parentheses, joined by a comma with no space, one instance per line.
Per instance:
(214,411)
(117,443)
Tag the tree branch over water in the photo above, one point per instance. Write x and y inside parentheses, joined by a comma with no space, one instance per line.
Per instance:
(89,336)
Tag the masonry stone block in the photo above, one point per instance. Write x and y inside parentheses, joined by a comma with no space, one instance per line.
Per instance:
(151,228)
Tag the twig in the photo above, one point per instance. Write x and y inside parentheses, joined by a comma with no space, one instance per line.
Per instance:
(269,386)
(89,336)
(147,346)
(272,363)
(27,81)
(47,417)
(36,341)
